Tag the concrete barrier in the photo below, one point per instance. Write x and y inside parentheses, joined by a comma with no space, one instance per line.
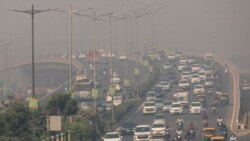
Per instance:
(236,93)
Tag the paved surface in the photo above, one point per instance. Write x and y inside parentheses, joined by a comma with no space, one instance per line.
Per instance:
(223,111)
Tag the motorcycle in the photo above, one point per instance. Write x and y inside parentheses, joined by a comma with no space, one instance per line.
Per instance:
(192,133)
(178,137)
(180,125)
(224,134)
(205,123)
(167,133)
(213,109)
(219,125)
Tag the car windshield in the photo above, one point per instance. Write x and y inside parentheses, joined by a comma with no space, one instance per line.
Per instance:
(196,104)
(182,98)
(149,104)
(167,103)
(198,87)
(176,105)
(128,124)
(111,136)
(159,117)
(142,129)
(158,126)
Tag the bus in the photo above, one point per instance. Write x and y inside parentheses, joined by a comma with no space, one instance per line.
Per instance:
(82,88)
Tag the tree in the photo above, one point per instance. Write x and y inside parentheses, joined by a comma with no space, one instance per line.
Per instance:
(71,107)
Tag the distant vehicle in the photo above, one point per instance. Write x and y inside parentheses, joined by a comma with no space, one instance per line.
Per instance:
(199,89)
(86,106)
(184,84)
(176,108)
(142,133)
(183,98)
(112,136)
(171,56)
(82,56)
(195,79)
(122,55)
(158,129)
(166,106)
(208,57)
(160,118)
(195,108)
(151,95)
(127,127)
(82,88)
(195,68)
(149,107)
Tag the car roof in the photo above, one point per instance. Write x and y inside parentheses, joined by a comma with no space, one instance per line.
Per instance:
(143,125)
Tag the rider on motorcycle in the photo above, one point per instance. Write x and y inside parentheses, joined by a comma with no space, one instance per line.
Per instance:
(178,132)
(179,122)
(219,121)
(233,138)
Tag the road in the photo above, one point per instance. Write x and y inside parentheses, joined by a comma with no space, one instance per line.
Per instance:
(223,111)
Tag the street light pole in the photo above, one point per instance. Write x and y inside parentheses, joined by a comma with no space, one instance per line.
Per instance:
(71,12)
(32,12)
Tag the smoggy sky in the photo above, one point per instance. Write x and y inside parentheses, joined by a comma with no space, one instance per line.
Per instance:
(220,26)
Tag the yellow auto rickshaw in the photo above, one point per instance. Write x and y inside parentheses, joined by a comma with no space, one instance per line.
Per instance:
(208,132)
(217,138)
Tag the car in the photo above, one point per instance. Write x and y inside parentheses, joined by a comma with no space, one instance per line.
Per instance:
(195,108)
(167,66)
(186,75)
(158,129)
(176,108)
(183,60)
(160,117)
(184,84)
(202,75)
(195,79)
(142,132)
(165,86)
(209,82)
(158,104)
(181,66)
(149,107)
(171,56)
(195,68)
(127,127)
(166,106)
(108,106)
(112,136)
(151,95)
(199,89)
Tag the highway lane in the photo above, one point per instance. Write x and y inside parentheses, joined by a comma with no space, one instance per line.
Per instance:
(223,111)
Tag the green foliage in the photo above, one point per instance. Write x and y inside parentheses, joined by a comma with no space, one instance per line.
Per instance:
(61,104)
(124,108)
(71,107)
(81,130)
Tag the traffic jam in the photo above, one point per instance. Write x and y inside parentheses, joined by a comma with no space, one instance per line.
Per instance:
(188,103)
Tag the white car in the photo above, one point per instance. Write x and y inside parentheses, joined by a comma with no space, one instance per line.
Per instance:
(183,60)
(195,107)
(202,75)
(142,133)
(184,84)
(171,56)
(160,118)
(167,66)
(151,96)
(166,106)
(181,66)
(149,107)
(158,129)
(165,85)
(112,136)
(158,104)
(209,82)
(195,68)
(195,79)
(176,108)
(115,79)
(186,75)
(199,89)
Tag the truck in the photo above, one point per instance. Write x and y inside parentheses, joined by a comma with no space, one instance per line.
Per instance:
(82,87)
